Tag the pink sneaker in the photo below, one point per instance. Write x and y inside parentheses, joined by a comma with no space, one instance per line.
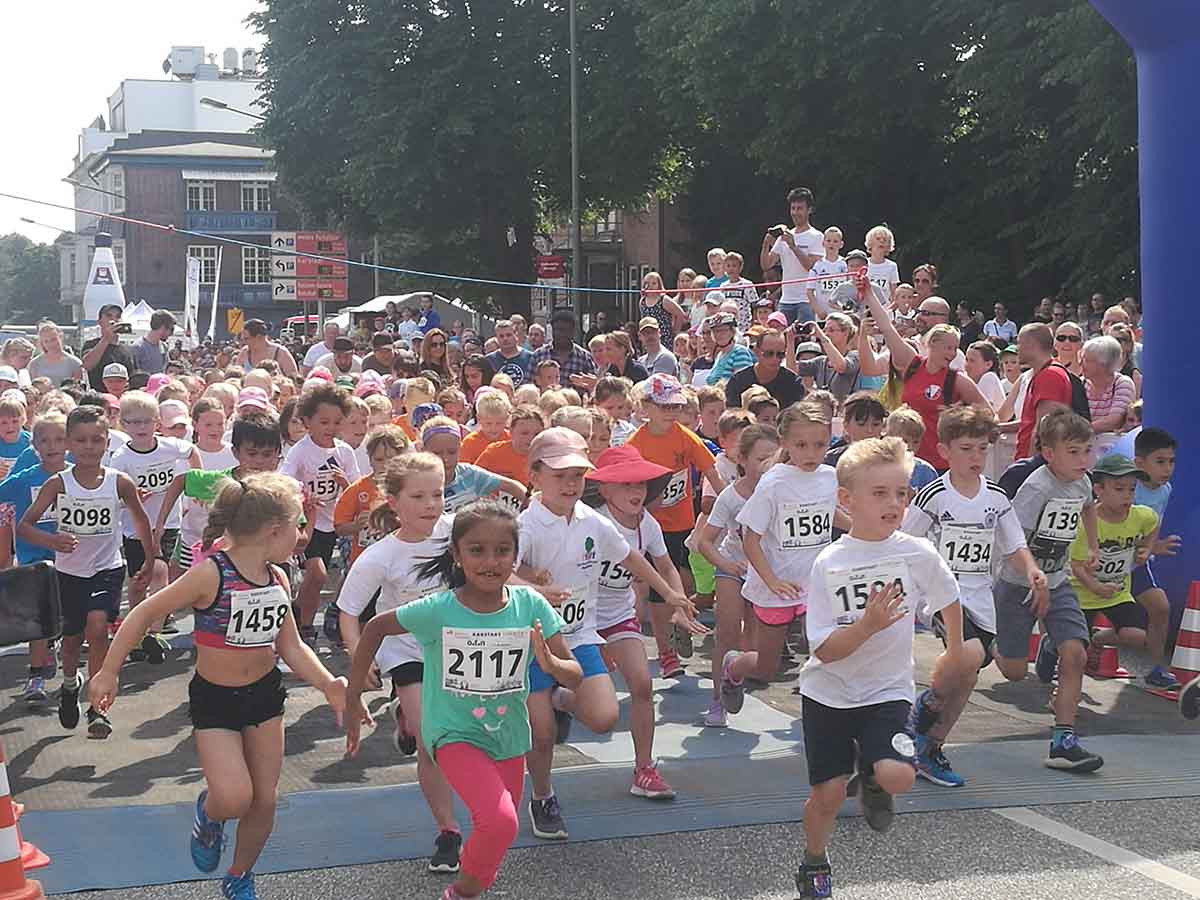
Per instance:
(669,665)
(649,784)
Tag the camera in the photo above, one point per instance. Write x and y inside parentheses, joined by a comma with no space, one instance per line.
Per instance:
(777,230)
(124,328)
(806,330)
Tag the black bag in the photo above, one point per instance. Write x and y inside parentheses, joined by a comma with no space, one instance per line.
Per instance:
(1079,399)
(30,608)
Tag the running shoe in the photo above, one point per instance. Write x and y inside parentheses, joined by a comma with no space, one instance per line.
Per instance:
(35,690)
(68,703)
(669,665)
(649,784)
(238,887)
(99,726)
(920,717)
(155,647)
(562,726)
(1189,699)
(814,881)
(933,766)
(1158,677)
(208,839)
(332,625)
(1069,755)
(733,693)
(405,743)
(877,805)
(308,634)
(169,627)
(446,849)
(681,641)
(451,894)
(50,669)
(715,717)
(547,819)
(1047,660)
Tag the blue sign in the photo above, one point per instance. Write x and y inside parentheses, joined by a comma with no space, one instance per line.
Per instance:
(232,222)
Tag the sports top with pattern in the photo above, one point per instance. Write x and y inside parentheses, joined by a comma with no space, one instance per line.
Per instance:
(666,325)
(244,615)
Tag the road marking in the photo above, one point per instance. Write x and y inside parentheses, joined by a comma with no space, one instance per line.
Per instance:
(1156,871)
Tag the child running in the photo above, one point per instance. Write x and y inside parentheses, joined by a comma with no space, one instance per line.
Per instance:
(465,482)
(87,554)
(242,606)
(626,483)
(413,529)
(477,640)
(786,522)
(855,688)
(562,545)
(972,523)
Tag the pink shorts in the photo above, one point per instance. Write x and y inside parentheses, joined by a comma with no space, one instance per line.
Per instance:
(630,628)
(778,615)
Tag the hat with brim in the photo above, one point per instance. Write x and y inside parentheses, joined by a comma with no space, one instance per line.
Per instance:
(809,347)
(625,465)
(559,448)
(1114,465)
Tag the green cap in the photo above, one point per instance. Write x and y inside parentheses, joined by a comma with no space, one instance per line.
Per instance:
(344,381)
(1011,348)
(1114,465)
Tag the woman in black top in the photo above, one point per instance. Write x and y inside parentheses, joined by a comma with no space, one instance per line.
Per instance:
(621,359)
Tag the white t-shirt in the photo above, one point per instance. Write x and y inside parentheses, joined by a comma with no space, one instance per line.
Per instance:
(1007,330)
(389,567)
(744,293)
(793,511)
(407,328)
(116,440)
(614,593)
(972,534)
(808,241)
(884,275)
(728,471)
(571,551)
(993,391)
(328,363)
(314,354)
(311,465)
(823,290)
(724,515)
(881,669)
(215,460)
(153,471)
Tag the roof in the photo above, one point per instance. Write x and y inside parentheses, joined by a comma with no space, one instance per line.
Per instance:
(201,148)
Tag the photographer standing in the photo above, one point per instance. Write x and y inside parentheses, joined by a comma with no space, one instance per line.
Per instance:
(100,352)
(796,251)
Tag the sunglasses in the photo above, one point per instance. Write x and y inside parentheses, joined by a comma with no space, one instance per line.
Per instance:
(931,312)
(1068,338)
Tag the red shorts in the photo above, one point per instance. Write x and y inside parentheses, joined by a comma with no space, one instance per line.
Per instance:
(629,628)
(778,615)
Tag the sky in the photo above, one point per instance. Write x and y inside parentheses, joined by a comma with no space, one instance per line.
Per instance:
(63,60)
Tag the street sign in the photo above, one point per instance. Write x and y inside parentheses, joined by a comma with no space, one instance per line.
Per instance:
(283,240)
(308,289)
(551,267)
(283,289)
(306,267)
(322,243)
(283,266)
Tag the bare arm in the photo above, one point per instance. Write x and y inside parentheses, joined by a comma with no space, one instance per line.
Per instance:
(128,493)
(709,535)
(836,360)
(902,352)
(92,358)
(884,608)
(752,544)
(170,498)
(767,259)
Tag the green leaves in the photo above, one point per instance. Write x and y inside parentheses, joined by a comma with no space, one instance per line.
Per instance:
(29,279)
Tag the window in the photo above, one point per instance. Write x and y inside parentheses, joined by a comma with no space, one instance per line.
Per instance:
(256,265)
(116,184)
(256,196)
(118,250)
(201,195)
(208,263)
(72,269)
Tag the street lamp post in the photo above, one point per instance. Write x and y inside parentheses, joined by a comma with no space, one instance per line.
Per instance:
(214,103)
(576,238)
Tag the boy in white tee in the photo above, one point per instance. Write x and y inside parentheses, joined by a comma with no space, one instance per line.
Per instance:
(828,267)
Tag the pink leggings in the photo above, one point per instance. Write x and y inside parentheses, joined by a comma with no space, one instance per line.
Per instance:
(492,791)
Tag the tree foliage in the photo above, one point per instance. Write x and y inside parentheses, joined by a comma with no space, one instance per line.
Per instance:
(29,279)
(996,138)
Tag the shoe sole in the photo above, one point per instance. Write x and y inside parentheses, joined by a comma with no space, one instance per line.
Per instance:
(155,652)
(651,795)
(34,699)
(1065,765)
(70,726)
(444,869)
(560,835)
(98,731)
(1189,700)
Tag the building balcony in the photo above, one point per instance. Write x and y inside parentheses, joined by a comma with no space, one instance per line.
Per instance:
(217,222)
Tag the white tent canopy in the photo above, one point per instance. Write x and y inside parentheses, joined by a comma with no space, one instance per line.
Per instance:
(138,315)
(378,305)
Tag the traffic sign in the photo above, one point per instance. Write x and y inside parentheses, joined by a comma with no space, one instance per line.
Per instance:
(320,289)
(283,240)
(306,267)
(322,243)
(283,266)
(551,267)
(283,289)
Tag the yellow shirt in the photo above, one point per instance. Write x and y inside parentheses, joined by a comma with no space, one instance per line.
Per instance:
(1119,542)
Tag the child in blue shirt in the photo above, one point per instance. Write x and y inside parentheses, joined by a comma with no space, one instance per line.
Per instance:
(13,436)
(906,423)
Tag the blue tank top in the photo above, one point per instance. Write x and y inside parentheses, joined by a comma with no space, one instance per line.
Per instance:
(244,615)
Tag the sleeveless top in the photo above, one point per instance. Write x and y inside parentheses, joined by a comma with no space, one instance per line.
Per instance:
(244,615)
(924,392)
(93,516)
(659,311)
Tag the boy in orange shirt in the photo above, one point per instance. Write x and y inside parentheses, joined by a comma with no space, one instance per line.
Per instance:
(492,410)
(510,458)
(663,441)
(353,508)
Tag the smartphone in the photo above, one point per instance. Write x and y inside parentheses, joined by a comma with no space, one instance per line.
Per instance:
(777,230)
(124,328)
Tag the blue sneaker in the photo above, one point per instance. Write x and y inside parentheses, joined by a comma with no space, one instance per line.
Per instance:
(920,717)
(1046,662)
(1158,677)
(238,887)
(208,840)
(933,766)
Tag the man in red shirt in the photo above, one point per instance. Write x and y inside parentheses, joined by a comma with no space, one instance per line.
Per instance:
(1050,384)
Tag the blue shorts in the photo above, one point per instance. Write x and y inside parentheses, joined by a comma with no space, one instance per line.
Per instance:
(587,655)
(740,579)
(798,313)
(1142,580)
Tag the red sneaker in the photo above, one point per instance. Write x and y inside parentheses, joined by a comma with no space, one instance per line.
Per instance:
(669,664)
(649,784)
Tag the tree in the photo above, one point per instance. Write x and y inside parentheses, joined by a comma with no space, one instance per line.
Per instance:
(449,121)
(29,279)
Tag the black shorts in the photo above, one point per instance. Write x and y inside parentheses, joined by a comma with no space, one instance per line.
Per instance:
(1123,615)
(835,739)
(320,546)
(236,708)
(407,673)
(98,593)
(678,553)
(135,553)
(971,631)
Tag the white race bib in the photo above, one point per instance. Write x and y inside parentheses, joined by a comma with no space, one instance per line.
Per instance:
(324,488)
(614,576)
(155,479)
(86,516)
(676,488)
(510,501)
(574,608)
(967,549)
(853,586)
(1059,521)
(1115,564)
(256,615)
(50,516)
(368,536)
(484,662)
(803,526)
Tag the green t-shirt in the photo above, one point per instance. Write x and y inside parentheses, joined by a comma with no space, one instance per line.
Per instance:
(201,484)
(476,676)
(1118,545)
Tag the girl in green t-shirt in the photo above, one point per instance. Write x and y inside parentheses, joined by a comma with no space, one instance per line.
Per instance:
(478,640)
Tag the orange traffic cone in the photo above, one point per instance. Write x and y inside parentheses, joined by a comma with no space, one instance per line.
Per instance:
(13,883)
(1105,662)
(1185,663)
(31,856)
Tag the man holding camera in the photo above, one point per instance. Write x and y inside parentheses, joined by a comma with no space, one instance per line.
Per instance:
(796,251)
(106,349)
